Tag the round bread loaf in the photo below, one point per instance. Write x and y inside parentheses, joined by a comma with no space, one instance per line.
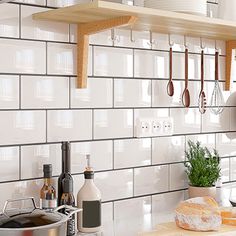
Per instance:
(198,214)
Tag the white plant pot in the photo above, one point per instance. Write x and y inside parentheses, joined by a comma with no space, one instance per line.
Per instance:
(201,192)
(226,9)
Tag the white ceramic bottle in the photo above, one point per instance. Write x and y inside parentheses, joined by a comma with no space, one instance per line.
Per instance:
(89,199)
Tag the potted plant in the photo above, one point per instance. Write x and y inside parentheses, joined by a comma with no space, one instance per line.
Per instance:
(203,170)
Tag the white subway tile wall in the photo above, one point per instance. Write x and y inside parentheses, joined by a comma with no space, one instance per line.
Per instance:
(40,107)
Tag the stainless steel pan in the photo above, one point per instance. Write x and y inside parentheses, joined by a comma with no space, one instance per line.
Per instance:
(34,221)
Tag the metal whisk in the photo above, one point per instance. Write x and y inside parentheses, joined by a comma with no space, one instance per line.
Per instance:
(217,99)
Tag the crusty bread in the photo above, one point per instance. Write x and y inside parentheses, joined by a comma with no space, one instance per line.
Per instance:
(198,214)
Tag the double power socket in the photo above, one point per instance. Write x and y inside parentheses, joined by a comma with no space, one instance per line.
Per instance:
(151,127)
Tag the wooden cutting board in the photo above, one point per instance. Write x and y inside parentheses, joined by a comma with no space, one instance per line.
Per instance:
(170,229)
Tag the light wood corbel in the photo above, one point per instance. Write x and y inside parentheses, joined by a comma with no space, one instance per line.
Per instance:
(83,32)
(230,46)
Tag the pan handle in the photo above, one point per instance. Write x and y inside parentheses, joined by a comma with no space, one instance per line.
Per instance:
(72,210)
(18,200)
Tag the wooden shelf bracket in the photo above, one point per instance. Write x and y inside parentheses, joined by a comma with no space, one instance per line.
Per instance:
(83,32)
(230,46)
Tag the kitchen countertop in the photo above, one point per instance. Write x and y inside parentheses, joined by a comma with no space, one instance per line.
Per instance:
(148,222)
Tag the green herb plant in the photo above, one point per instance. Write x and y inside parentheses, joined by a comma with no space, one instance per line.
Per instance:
(203,167)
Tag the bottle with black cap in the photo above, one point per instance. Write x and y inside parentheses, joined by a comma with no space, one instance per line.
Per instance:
(48,199)
(66,169)
(89,199)
(67,198)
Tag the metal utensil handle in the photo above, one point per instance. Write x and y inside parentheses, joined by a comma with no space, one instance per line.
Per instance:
(70,208)
(18,200)
(217,66)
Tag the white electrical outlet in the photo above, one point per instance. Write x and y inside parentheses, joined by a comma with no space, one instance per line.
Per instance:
(168,126)
(143,128)
(152,127)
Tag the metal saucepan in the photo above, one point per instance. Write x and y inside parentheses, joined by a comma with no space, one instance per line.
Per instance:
(34,221)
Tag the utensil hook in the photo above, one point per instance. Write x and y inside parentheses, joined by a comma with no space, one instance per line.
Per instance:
(216,48)
(185,42)
(113,36)
(151,40)
(132,39)
(171,43)
(202,46)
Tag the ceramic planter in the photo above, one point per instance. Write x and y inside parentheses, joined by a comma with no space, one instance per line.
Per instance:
(201,191)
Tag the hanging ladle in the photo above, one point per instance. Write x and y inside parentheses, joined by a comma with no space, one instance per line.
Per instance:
(186,94)
(202,96)
(170,85)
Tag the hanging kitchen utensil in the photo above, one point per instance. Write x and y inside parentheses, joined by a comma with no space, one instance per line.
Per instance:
(186,94)
(217,99)
(202,95)
(170,85)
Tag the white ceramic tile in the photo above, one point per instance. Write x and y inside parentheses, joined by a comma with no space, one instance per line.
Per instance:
(225,145)
(162,99)
(209,67)
(132,152)
(132,208)
(150,113)
(232,119)
(43,30)
(162,41)
(113,62)
(20,189)
(149,64)
(21,56)
(206,140)
(34,157)
(193,44)
(107,212)
(178,42)
(9,92)
(123,38)
(100,153)
(34,2)
(69,125)
(168,149)
(97,94)
(112,186)
(64,3)
(102,38)
(151,180)
(186,120)
(233,169)
(213,123)
(113,123)
(78,183)
(132,93)
(22,127)
(9,163)
(179,68)
(178,177)
(225,170)
(61,59)
(44,92)
(9,20)
(166,202)
(142,39)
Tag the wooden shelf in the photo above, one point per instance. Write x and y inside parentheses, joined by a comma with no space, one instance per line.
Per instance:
(139,18)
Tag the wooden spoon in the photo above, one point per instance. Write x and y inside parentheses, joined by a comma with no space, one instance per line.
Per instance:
(186,94)
(170,85)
